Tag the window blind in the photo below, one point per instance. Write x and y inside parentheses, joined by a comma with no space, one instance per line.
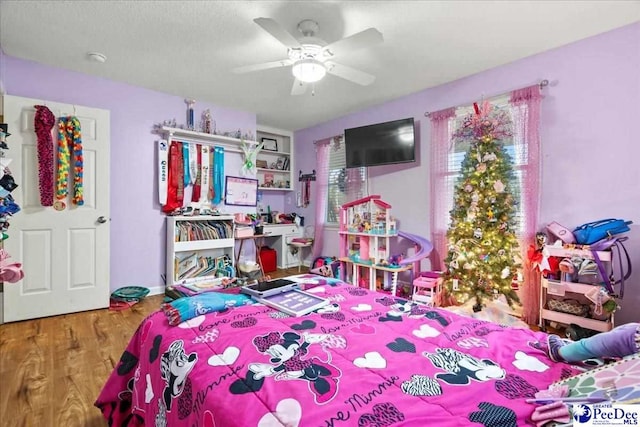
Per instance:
(344,184)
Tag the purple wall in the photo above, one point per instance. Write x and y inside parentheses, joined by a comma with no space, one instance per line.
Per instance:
(137,225)
(589,138)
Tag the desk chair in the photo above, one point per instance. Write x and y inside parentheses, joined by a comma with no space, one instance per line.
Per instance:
(297,244)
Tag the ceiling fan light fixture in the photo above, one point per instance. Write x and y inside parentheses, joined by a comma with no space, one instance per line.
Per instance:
(309,70)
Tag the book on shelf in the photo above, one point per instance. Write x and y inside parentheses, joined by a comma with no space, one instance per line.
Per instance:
(186,264)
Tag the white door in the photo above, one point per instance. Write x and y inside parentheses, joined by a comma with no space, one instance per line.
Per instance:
(64,254)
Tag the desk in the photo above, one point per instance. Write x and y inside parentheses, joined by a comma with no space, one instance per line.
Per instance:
(258,241)
(278,236)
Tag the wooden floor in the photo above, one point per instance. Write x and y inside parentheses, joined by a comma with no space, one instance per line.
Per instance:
(52,369)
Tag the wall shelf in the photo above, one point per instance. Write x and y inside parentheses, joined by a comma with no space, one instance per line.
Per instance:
(280,162)
(282,179)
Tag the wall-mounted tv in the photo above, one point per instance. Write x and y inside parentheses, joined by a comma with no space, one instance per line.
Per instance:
(380,144)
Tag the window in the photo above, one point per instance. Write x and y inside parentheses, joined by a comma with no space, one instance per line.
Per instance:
(515,147)
(344,184)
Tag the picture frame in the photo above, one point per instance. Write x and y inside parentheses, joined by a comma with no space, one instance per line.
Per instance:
(241,191)
(262,164)
(270,144)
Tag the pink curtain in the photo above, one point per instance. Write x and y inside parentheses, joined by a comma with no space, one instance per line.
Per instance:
(439,168)
(526,121)
(322,184)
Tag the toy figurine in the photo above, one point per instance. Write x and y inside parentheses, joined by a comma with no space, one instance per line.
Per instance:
(206,121)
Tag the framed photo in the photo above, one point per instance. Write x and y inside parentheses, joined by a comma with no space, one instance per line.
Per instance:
(262,164)
(241,191)
(270,144)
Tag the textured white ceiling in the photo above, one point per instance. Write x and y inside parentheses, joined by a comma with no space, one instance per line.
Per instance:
(187,48)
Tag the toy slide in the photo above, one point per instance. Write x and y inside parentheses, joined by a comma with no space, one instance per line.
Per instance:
(425,247)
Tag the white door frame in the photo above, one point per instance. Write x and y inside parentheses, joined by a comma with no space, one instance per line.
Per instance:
(65,254)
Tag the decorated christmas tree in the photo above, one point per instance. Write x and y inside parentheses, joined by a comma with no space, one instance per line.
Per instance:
(483,251)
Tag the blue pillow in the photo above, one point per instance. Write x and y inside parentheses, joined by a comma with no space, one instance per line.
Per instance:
(186,308)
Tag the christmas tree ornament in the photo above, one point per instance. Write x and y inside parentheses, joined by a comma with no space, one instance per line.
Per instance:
(505,273)
(498,186)
(489,157)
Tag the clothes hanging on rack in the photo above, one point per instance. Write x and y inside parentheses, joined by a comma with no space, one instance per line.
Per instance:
(69,142)
(306,193)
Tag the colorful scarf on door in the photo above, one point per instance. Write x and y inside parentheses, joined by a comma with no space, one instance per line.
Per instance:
(69,141)
(43,123)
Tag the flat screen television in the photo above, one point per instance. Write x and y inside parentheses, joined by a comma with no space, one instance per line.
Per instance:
(380,144)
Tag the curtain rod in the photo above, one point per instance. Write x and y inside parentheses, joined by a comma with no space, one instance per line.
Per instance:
(328,140)
(542,84)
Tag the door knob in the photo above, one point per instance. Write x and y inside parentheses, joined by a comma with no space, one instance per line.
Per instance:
(102,219)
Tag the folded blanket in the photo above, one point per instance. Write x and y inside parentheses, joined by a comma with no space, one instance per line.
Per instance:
(186,308)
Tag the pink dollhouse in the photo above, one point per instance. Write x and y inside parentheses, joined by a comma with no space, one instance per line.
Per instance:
(366,227)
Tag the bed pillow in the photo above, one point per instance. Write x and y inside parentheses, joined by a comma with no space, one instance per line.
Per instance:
(186,308)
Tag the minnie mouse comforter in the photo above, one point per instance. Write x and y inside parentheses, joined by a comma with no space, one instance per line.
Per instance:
(365,360)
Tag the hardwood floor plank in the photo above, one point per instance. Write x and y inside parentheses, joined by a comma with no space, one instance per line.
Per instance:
(52,369)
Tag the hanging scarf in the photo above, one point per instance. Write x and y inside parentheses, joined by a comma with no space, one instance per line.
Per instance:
(174,180)
(69,135)
(185,163)
(218,175)
(212,166)
(193,163)
(163,171)
(195,195)
(43,123)
(204,175)
(180,174)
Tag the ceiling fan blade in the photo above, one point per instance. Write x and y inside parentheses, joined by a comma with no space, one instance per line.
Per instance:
(366,38)
(299,88)
(276,30)
(263,66)
(351,74)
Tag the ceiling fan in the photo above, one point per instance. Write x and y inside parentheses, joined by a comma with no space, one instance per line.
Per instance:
(311,58)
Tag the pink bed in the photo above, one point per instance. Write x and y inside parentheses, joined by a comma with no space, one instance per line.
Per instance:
(366,360)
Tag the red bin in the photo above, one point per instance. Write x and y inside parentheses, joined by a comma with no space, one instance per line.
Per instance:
(268,257)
